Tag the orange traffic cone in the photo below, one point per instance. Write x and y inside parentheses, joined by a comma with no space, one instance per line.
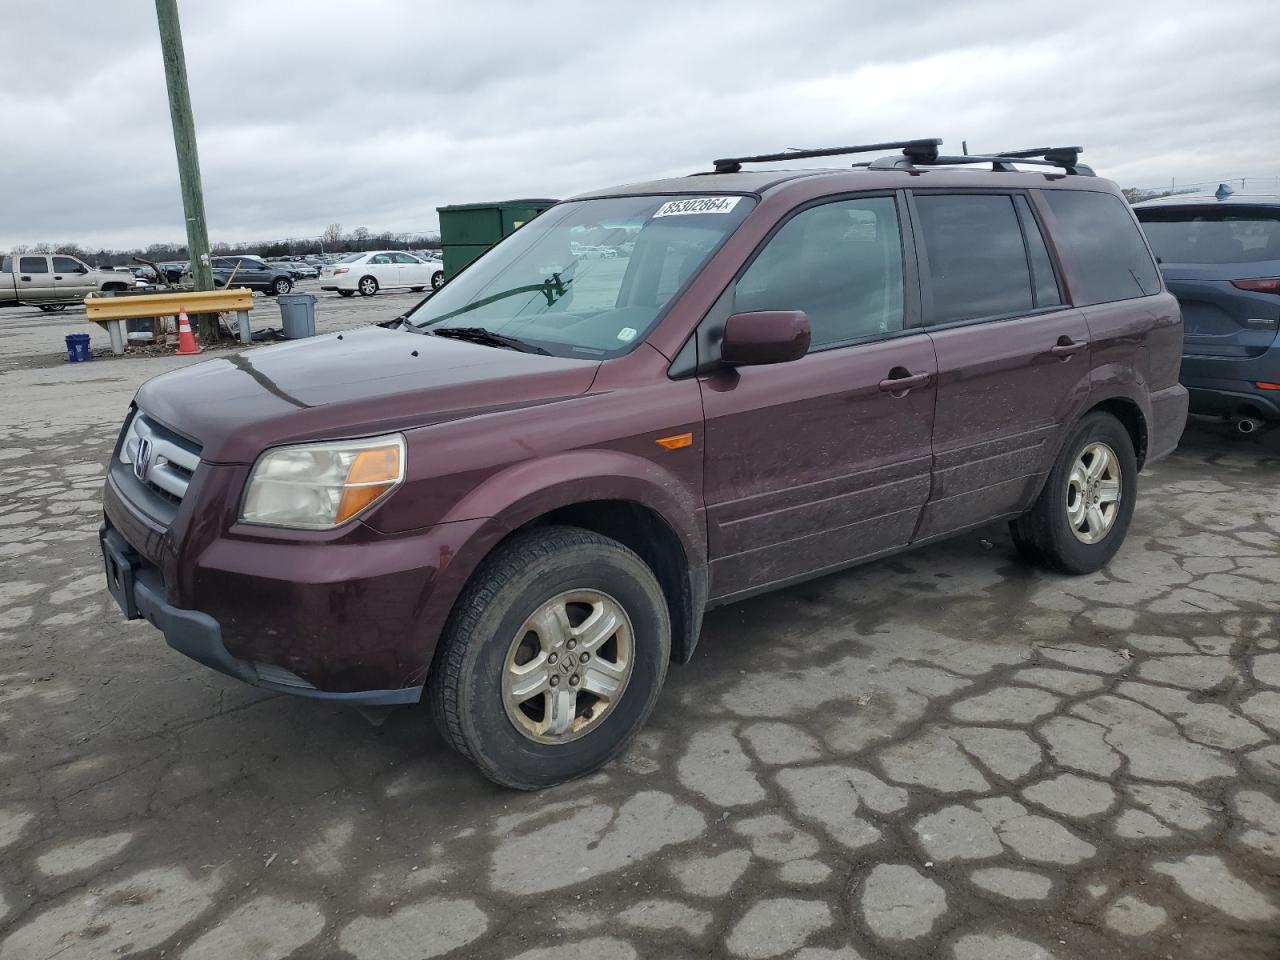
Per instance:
(186,340)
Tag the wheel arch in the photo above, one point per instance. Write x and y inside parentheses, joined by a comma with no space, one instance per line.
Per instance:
(1131,417)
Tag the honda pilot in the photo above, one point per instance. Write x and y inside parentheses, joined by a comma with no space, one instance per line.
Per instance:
(516,501)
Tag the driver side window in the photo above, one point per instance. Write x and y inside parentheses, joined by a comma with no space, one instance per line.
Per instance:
(841,263)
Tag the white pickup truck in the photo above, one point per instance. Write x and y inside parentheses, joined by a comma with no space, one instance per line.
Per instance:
(52,281)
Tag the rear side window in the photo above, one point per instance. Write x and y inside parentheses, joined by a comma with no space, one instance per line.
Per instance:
(33,265)
(841,263)
(1096,231)
(1043,281)
(1212,234)
(978,263)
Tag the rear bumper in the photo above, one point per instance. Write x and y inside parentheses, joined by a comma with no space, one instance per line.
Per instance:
(1225,386)
(139,590)
(1168,420)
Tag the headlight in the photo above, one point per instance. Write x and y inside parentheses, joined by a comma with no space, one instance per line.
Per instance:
(318,486)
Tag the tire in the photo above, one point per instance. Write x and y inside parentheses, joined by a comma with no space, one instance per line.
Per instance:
(281,285)
(490,630)
(346,293)
(437,280)
(53,307)
(113,287)
(367,286)
(1048,533)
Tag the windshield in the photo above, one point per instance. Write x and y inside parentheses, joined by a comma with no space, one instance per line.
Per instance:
(1214,235)
(588,278)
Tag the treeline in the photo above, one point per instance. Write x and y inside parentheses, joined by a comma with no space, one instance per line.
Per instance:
(333,240)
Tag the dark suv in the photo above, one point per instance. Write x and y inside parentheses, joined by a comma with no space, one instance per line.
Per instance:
(1220,255)
(517,500)
(252,272)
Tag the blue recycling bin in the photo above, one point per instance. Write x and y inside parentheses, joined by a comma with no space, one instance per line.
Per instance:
(78,348)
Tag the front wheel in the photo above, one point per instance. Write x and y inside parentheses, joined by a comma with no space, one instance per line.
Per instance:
(1083,513)
(346,293)
(553,658)
(282,285)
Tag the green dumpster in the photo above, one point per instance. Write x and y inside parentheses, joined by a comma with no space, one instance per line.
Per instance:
(469,229)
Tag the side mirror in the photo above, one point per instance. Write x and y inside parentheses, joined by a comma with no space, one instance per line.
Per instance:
(772,336)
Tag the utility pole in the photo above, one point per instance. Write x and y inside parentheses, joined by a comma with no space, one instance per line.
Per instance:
(184,141)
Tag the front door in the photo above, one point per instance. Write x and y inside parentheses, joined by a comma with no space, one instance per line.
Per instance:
(34,279)
(413,272)
(813,464)
(70,278)
(1013,361)
(385,270)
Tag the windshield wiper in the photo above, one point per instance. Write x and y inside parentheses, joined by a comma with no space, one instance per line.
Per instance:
(488,338)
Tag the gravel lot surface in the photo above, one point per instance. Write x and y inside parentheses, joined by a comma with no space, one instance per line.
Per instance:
(943,755)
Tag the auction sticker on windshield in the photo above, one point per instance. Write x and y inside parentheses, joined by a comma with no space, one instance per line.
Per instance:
(680,208)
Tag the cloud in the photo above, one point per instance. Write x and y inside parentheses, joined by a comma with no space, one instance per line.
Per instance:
(376,113)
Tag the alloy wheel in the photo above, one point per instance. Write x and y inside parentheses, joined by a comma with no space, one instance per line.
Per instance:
(568,666)
(1093,493)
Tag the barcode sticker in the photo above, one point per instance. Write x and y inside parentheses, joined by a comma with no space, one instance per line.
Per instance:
(691,205)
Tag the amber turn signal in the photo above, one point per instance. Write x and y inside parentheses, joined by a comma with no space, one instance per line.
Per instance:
(372,473)
(675,442)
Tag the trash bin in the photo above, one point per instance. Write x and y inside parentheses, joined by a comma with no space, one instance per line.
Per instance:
(297,315)
(78,348)
(469,229)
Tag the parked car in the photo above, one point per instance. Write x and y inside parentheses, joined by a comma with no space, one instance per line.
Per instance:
(1220,256)
(252,272)
(367,273)
(300,270)
(53,281)
(517,500)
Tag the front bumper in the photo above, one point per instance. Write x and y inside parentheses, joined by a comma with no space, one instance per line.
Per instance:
(139,591)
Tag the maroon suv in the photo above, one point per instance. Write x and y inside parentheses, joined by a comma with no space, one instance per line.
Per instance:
(518,499)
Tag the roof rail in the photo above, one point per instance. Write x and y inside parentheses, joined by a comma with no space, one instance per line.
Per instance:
(924,151)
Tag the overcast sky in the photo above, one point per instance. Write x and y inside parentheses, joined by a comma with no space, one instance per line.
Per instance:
(373,114)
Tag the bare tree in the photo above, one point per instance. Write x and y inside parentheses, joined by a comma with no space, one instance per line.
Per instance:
(332,236)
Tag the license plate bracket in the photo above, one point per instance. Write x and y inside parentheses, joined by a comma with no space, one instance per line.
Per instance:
(120,564)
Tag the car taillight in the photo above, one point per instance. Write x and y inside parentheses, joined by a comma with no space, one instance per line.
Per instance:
(1259,285)
(338,270)
(1263,385)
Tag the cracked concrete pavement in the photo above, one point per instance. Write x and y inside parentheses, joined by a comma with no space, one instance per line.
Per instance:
(946,754)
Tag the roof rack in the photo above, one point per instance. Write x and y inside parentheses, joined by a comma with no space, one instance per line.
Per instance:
(1066,158)
(922,151)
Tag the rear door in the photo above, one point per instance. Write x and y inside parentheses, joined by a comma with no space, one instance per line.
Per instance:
(813,464)
(1013,361)
(1217,260)
(384,269)
(33,279)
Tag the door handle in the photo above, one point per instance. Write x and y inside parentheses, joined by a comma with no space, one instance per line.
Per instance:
(901,380)
(26,278)
(57,278)
(1066,348)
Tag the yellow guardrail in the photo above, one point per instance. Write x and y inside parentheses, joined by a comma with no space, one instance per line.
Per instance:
(143,306)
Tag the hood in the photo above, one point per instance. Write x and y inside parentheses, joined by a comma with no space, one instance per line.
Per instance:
(355,383)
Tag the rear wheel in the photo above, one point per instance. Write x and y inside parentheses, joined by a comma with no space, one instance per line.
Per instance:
(53,307)
(553,658)
(368,286)
(437,280)
(1083,513)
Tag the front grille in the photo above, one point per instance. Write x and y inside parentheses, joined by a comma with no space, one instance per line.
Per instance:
(162,460)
